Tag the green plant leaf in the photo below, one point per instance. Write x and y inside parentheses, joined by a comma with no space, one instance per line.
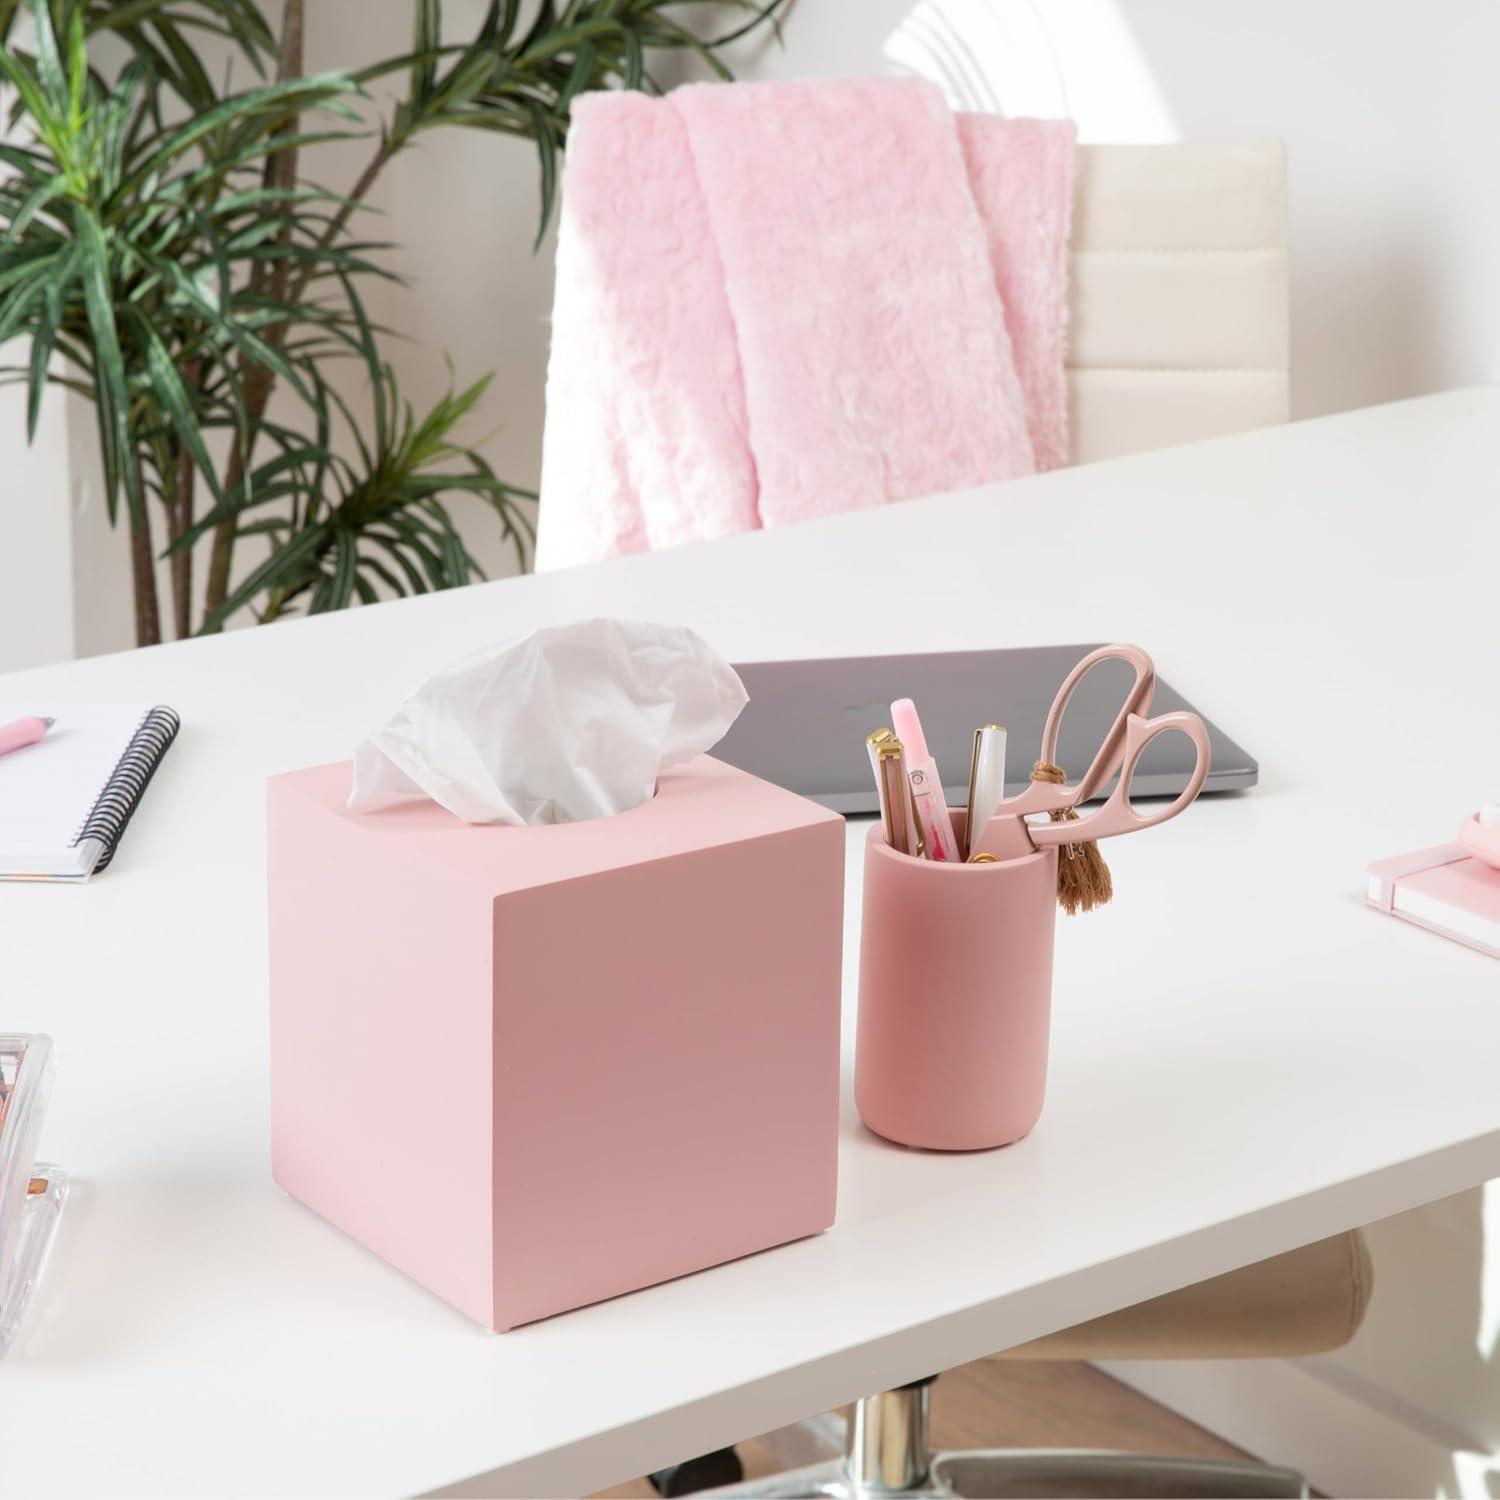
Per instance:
(78,70)
(33,99)
(33,203)
(190,77)
(341,585)
(546,146)
(390,580)
(634,73)
(16,309)
(427,38)
(391,545)
(371,353)
(238,20)
(283,562)
(231,329)
(49,65)
(120,463)
(44,337)
(272,103)
(173,397)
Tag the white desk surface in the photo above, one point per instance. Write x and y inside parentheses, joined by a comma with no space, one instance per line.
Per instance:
(1245,1057)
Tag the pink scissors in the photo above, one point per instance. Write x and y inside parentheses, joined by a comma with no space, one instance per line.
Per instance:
(1008,835)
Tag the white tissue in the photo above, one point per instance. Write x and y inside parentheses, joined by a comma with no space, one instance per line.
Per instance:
(571,722)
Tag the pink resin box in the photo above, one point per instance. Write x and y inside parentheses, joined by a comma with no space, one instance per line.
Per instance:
(537,1067)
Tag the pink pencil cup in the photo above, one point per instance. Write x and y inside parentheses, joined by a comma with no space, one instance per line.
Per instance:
(955,997)
(537,1067)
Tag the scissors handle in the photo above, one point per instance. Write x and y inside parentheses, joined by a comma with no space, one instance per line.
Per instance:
(1117,815)
(1137,701)
(1046,796)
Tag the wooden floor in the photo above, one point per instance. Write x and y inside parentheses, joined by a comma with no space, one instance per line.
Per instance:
(1025,1404)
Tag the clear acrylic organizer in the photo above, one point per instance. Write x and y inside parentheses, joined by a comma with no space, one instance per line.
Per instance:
(32,1193)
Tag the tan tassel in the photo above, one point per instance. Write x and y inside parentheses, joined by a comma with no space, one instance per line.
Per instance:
(1083,879)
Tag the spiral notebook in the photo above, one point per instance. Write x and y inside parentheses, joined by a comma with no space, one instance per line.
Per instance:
(66,800)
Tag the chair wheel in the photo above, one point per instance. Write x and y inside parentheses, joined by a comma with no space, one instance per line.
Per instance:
(722,1466)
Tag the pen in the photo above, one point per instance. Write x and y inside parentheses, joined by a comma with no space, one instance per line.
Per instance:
(22,732)
(901,829)
(926,785)
(986,780)
(872,746)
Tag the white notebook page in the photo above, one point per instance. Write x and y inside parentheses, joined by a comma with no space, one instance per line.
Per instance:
(48,789)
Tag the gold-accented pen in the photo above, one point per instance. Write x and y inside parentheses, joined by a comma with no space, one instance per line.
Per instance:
(902,830)
(872,746)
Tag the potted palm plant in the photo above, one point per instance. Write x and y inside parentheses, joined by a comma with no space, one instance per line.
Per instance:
(166,252)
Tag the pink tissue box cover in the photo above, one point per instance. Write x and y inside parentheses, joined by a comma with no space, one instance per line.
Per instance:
(537,1067)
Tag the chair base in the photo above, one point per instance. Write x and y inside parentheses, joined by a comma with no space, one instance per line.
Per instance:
(1078,1474)
(886,1457)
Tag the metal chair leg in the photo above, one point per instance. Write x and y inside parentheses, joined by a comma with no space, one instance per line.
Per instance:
(887,1452)
(886,1455)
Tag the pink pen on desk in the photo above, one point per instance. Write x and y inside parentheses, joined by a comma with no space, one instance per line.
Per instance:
(20,733)
(926,785)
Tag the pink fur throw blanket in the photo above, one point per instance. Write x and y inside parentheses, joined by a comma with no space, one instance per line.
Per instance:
(777,301)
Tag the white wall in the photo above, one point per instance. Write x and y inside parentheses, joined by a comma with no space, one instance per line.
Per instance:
(1391,114)
(36,589)
(47,510)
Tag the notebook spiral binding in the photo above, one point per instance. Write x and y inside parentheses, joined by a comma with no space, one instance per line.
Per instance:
(131,776)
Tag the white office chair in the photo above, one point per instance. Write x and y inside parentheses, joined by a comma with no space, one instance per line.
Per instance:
(1178,300)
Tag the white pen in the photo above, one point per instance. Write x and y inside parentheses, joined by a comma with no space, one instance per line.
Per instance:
(986,779)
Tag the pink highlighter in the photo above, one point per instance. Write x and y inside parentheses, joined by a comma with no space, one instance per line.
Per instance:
(938,837)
